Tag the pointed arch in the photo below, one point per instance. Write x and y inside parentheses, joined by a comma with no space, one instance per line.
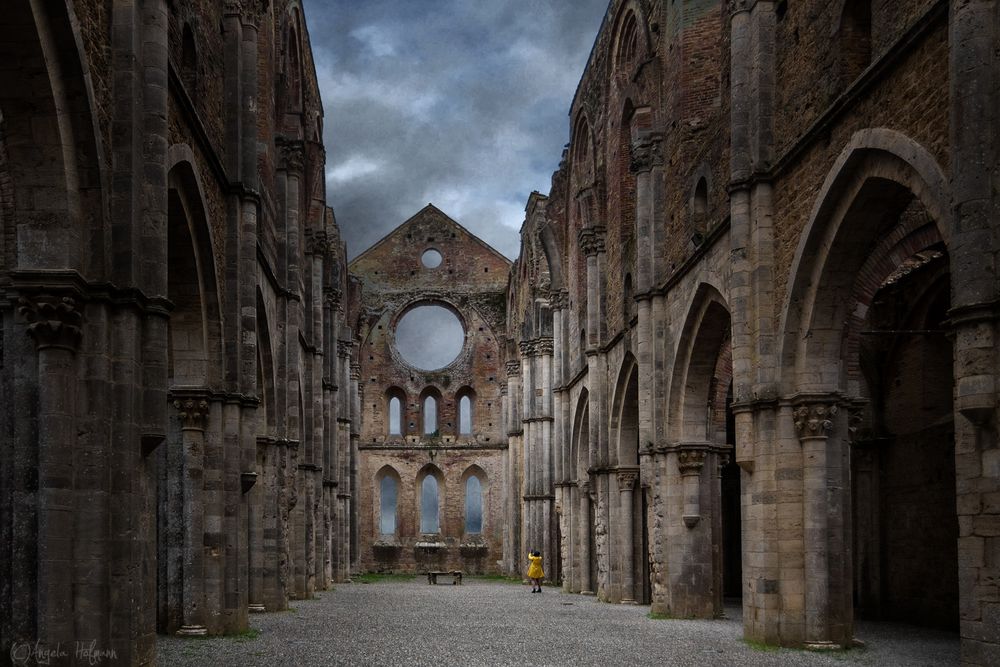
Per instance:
(465,406)
(625,413)
(387,486)
(580,444)
(704,339)
(395,411)
(55,210)
(632,44)
(195,323)
(877,175)
(266,379)
(475,486)
(430,494)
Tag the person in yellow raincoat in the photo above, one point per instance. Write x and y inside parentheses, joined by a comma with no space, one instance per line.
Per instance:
(535,572)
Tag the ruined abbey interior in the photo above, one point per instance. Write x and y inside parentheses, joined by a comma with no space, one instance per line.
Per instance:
(748,349)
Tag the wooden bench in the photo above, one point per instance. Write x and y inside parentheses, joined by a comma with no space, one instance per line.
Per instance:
(456,577)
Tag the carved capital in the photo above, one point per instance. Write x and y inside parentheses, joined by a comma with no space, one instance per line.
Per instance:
(559,300)
(344,348)
(233,8)
(690,461)
(544,346)
(333,298)
(316,242)
(355,372)
(591,240)
(647,152)
(627,480)
(513,369)
(814,419)
(193,414)
(855,420)
(291,155)
(503,389)
(53,321)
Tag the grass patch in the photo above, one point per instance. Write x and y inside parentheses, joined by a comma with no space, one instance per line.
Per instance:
(657,616)
(761,646)
(377,578)
(247,635)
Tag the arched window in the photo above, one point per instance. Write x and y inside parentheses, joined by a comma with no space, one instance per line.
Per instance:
(465,415)
(429,505)
(430,415)
(387,505)
(294,74)
(473,505)
(395,414)
(628,44)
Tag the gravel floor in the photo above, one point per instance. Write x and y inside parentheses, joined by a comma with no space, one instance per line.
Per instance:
(489,623)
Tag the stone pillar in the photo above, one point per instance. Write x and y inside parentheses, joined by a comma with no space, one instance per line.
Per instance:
(586,585)
(193,416)
(353,537)
(974,162)
(814,420)
(515,431)
(54,323)
(626,485)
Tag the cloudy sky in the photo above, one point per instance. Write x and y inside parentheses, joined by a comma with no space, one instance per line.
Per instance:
(462,103)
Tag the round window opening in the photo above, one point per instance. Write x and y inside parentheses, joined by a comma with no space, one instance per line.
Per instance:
(431,258)
(429,337)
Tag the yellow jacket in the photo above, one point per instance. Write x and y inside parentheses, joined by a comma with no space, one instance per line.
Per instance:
(535,568)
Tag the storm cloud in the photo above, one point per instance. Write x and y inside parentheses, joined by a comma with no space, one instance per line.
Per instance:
(460,103)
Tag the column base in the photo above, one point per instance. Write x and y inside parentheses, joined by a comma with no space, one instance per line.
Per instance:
(257,609)
(628,602)
(586,592)
(823,646)
(192,631)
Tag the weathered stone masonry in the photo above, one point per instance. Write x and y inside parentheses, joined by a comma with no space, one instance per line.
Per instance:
(765,266)
(748,349)
(173,292)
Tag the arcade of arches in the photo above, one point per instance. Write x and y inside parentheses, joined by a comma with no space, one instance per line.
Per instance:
(747,351)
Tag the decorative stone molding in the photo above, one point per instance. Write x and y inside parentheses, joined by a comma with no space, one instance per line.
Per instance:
(814,419)
(627,479)
(334,298)
(316,242)
(691,461)
(647,152)
(344,348)
(513,369)
(291,155)
(193,413)
(503,389)
(544,347)
(53,321)
(355,372)
(559,300)
(591,240)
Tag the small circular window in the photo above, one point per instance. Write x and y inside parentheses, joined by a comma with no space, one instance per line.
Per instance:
(431,258)
(429,337)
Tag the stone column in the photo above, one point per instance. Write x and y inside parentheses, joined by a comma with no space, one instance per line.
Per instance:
(813,422)
(54,323)
(586,585)
(626,485)
(353,537)
(193,416)
(515,431)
